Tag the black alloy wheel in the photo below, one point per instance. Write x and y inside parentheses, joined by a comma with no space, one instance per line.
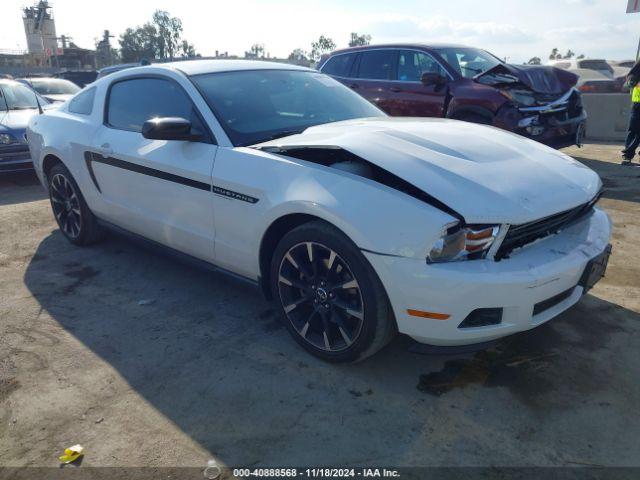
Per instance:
(66,205)
(76,221)
(320,296)
(330,297)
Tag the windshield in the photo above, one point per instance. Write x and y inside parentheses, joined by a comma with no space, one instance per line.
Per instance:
(54,87)
(255,106)
(599,65)
(18,97)
(469,62)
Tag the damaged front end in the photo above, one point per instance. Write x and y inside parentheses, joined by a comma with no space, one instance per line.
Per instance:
(542,103)
(342,159)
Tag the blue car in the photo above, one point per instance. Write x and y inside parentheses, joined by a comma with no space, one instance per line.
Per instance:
(17,105)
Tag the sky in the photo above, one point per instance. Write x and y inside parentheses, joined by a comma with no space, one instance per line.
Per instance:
(513,29)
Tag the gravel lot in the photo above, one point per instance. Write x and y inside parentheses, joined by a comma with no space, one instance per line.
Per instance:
(148,361)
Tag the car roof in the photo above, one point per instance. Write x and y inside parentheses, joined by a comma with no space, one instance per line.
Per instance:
(7,81)
(45,79)
(117,67)
(402,45)
(197,67)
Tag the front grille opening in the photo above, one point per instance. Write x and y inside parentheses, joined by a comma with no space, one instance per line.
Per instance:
(482,317)
(551,302)
(521,235)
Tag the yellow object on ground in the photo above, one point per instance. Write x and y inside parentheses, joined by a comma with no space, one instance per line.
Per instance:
(71,454)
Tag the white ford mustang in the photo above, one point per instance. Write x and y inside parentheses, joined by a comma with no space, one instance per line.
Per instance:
(358,225)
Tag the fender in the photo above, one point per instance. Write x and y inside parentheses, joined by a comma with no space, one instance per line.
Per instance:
(374,216)
(459,112)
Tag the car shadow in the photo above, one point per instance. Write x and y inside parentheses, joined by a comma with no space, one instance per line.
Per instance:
(20,187)
(211,355)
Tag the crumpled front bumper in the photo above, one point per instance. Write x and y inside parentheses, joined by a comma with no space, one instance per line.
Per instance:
(533,274)
(558,124)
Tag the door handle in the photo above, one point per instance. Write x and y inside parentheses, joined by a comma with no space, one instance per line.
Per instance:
(105,149)
(354,86)
(395,89)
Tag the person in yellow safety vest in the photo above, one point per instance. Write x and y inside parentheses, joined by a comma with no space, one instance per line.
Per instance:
(633,132)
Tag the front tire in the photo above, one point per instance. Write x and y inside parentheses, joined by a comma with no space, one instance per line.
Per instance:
(330,298)
(76,222)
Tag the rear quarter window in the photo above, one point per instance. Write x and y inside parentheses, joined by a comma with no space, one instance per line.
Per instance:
(377,65)
(340,65)
(83,102)
(595,65)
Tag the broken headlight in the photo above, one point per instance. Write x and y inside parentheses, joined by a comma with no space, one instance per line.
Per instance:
(463,243)
(6,139)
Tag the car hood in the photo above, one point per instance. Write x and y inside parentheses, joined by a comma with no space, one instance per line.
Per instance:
(538,78)
(485,174)
(58,97)
(15,121)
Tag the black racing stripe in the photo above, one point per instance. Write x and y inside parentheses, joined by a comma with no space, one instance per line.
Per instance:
(151,172)
(91,157)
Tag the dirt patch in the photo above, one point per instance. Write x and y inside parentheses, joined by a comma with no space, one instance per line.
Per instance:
(7,387)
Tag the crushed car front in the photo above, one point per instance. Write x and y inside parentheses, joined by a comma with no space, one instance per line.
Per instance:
(543,103)
(524,239)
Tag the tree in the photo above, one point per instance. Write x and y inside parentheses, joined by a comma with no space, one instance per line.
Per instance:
(299,57)
(138,43)
(581,56)
(320,47)
(169,32)
(160,38)
(555,54)
(256,51)
(358,40)
(187,50)
(569,54)
(534,61)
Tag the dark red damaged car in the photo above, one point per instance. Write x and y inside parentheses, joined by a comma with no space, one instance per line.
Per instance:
(465,83)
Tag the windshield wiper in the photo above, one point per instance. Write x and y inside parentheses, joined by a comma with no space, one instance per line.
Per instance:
(23,108)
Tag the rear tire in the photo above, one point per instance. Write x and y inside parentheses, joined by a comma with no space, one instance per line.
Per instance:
(76,222)
(329,296)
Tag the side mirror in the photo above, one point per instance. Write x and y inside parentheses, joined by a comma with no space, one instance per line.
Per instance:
(430,78)
(169,128)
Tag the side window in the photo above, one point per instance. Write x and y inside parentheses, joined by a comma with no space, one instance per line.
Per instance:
(412,64)
(83,102)
(133,102)
(377,65)
(340,65)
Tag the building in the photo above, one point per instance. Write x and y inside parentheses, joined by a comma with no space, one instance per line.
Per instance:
(40,29)
(12,58)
